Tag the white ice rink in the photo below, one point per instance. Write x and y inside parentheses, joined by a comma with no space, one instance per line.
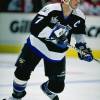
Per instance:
(82,80)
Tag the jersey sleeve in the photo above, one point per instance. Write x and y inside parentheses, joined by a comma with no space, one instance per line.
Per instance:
(81,25)
(40,21)
(43,18)
(81,29)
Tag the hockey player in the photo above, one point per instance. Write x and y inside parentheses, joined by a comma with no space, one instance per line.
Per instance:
(51,31)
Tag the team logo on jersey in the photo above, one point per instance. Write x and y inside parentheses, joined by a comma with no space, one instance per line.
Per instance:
(54,20)
(77,23)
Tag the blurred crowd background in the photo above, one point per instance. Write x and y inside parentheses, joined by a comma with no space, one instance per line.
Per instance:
(89,7)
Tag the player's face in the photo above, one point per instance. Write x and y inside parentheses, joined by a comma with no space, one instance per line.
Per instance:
(74,3)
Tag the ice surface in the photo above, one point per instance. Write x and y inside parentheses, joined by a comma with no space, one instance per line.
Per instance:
(82,80)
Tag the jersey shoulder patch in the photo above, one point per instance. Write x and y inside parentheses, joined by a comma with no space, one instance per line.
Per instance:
(79,13)
(49,8)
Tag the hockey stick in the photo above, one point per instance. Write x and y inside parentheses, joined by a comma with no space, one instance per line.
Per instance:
(81,51)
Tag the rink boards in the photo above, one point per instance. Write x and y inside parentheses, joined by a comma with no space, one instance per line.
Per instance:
(14,29)
(16,49)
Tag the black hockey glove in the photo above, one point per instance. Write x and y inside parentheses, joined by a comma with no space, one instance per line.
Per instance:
(85,53)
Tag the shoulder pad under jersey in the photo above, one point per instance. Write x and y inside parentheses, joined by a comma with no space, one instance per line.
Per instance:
(49,8)
(79,13)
